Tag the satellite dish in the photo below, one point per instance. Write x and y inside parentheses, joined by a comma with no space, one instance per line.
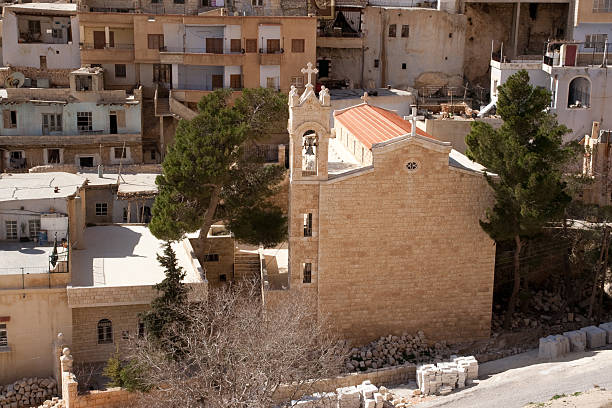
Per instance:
(15,80)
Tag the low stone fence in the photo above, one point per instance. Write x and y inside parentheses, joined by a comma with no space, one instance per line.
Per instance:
(383,376)
(111,398)
(590,337)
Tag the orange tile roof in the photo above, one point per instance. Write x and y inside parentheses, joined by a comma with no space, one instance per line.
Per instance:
(371,124)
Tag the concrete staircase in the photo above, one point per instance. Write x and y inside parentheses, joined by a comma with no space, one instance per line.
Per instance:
(246,265)
(162,107)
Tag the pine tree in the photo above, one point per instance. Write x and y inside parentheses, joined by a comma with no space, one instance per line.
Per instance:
(208,176)
(166,308)
(528,156)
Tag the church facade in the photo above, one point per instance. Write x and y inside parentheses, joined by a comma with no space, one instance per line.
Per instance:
(388,247)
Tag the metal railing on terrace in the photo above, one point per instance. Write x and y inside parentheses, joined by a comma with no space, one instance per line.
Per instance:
(577,54)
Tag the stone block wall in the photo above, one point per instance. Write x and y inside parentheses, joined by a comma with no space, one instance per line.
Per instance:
(223,246)
(85,345)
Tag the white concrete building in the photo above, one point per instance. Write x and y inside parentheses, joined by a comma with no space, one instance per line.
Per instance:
(41,35)
(579,83)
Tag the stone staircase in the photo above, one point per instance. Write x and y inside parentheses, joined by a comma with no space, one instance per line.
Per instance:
(246,265)
(162,107)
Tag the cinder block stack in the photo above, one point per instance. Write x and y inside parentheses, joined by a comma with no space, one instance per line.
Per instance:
(595,336)
(553,346)
(607,327)
(577,340)
(446,376)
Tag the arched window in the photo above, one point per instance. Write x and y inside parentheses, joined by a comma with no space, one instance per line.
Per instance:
(579,95)
(309,153)
(105,331)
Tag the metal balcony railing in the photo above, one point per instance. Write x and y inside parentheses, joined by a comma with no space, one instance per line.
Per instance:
(202,50)
(91,46)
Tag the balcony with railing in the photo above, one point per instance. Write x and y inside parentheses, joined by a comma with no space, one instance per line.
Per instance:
(201,55)
(92,53)
(577,54)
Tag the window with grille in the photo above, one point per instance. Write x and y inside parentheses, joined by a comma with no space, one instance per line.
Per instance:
(34,26)
(597,42)
(211,258)
(83,83)
(602,6)
(257,3)
(235,45)
(297,45)
(271,83)
(51,122)
(307,276)
(105,331)
(11,229)
(251,45)
(308,225)
(392,30)
(84,121)
(120,71)
(101,209)
(34,228)
(155,41)
(405,31)
(57,33)
(3,335)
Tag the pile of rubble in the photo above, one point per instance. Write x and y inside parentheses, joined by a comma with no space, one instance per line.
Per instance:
(443,378)
(364,395)
(390,351)
(554,346)
(27,392)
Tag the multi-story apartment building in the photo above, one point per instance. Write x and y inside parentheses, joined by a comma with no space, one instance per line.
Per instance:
(44,36)
(84,124)
(178,58)
(187,7)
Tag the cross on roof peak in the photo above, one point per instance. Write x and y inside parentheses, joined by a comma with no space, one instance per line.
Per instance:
(413,118)
(309,70)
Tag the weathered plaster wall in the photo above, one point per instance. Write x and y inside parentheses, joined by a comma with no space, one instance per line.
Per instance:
(58,55)
(435,43)
(36,317)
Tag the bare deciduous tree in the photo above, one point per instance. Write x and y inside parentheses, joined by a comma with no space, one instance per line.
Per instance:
(238,353)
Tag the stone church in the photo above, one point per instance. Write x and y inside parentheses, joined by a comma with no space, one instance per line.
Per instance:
(384,232)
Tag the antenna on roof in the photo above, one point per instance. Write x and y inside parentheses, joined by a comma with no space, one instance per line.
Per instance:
(119,176)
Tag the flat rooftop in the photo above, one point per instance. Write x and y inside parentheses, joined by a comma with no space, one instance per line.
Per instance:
(47,8)
(358,93)
(36,186)
(124,255)
(24,257)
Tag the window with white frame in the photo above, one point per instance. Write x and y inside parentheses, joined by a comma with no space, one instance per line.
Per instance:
(51,122)
(54,156)
(101,209)
(3,335)
(11,229)
(602,6)
(34,228)
(297,81)
(84,121)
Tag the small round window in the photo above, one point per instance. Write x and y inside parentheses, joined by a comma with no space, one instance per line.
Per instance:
(412,166)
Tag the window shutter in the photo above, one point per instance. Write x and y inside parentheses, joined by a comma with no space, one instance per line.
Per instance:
(121,118)
(6,119)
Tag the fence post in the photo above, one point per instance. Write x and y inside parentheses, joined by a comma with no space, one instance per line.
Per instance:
(22,279)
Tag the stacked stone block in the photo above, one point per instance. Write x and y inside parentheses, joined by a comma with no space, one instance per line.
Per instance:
(595,336)
(553,346)
(27,392)
(444,377)
(578,340)
(607,327)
